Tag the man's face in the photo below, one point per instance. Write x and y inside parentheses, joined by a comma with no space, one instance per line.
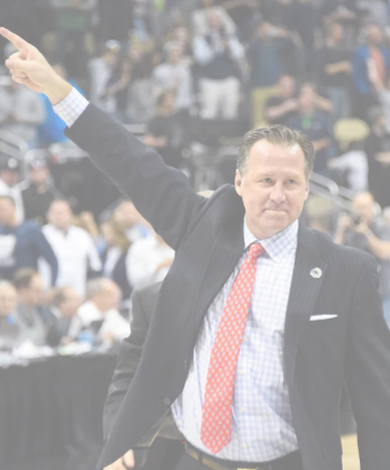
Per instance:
(60,215)
(10,177)
(8,301)
(33,293)
(273,187)
(286,86)
(39,175)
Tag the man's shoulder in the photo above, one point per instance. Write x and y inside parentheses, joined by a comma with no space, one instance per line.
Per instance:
(339,254)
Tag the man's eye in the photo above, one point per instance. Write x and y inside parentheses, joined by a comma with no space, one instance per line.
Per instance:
(292,182)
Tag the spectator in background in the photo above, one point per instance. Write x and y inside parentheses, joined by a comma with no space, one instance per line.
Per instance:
(101,70)
(344,12)
(321,101)
(350,169)
(115,256)
(182,35)
(367,231)
(376,11)
(10,329)
(200,21)
(31,314)
(174,75)
(149,261)
(9,179)
(127,216)
(266,64)
(168,131)
(118,86)
(21,110)
(335,69)
(281,107)
(74,248)
(52,128)
(38,192)
(100,315)
(244,13)
(22,244)
(64,305)
(377,148)
(219,55)
(73,22)
(375,50)
(318,127)
(140,102)
(303,22)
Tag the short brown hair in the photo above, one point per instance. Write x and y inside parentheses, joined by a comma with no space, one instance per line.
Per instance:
(276,134)
(24,277)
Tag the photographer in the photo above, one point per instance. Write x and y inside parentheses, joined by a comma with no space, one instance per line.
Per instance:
(219,58)
(367,231)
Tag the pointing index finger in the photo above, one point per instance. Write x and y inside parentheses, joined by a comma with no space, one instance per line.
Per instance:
(16,40)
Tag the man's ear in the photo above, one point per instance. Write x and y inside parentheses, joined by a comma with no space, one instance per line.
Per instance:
(238,182)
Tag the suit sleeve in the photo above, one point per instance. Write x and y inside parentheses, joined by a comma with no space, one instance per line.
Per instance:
(368,371)
(127,363)
(163,195)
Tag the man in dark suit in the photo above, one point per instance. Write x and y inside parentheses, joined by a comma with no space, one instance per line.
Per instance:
(258,318)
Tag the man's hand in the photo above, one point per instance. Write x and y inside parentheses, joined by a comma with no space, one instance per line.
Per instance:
(29,67)
(126,461)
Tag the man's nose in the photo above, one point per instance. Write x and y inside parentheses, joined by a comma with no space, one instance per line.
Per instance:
(277,195)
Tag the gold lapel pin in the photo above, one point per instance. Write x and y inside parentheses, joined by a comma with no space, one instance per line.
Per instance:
(316,273)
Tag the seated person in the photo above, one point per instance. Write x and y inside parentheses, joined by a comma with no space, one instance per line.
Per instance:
(10,330)
(99,315)
(64,305)
(33,316)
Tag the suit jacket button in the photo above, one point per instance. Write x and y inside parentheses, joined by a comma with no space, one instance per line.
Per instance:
(167,401)
(186,364)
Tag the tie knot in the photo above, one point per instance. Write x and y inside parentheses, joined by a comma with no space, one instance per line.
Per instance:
(255,250)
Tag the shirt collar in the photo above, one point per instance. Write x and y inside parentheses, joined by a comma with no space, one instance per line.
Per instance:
(277,246)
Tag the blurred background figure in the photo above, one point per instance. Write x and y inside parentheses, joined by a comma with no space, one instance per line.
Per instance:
(367,231)
(21,110)
(38,191)
(65,302)
(101,70)
(99,314)
(22,244)
(115,256)
(74,248)
(219,55)
(131,221)
(149,261)
(10,329)
(9,178)
(33,316)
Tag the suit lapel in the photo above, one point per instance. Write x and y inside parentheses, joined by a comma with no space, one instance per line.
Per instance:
(225,254)
(303,294)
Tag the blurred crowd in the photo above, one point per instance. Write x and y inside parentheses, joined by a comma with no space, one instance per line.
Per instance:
(67,283)
(183,71)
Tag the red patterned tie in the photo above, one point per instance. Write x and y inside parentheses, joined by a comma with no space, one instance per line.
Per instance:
(216,426)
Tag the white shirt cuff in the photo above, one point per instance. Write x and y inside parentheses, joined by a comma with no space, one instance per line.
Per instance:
(70,109)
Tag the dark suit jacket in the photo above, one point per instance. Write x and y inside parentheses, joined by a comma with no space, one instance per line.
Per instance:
(143,305)
(207,235)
